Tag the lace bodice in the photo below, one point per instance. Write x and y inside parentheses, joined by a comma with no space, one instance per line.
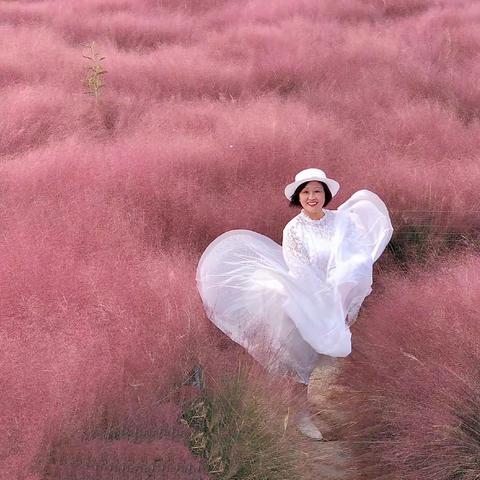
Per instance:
(307,245)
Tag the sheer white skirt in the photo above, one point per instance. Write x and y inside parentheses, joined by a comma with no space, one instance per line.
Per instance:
(249,293)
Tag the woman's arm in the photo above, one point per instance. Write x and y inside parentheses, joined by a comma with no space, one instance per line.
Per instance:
(294,250)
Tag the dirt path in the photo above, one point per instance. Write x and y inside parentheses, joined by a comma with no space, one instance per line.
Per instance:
(335,454)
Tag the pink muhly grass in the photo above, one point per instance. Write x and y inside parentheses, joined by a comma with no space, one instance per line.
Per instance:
(208,109)
(126,30)
(97,459)
(88,315)
(364,86)
(409,390)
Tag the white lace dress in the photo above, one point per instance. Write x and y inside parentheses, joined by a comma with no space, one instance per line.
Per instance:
(286,304)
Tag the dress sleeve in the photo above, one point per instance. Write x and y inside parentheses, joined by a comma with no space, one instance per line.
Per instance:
(294,251)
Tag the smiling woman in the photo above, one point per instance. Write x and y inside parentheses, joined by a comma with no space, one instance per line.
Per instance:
(287,304)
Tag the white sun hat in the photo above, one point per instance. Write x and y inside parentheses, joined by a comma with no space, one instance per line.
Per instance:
(309,175)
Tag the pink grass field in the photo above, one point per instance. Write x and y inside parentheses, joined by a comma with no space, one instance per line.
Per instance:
(411,395)
(209,108)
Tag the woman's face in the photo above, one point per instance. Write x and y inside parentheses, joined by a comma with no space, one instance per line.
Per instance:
(312,197)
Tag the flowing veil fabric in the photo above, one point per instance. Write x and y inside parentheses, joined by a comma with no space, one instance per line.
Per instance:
(285,316)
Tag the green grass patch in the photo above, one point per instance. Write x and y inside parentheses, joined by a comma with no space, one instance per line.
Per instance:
(242,430)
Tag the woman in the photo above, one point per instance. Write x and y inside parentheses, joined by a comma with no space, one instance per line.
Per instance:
(288,304)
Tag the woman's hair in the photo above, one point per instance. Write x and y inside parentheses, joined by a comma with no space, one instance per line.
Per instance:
(295,200)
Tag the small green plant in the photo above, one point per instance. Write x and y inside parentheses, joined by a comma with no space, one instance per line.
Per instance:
(94,80)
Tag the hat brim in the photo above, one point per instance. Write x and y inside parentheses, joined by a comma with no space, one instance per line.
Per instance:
(332,185)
